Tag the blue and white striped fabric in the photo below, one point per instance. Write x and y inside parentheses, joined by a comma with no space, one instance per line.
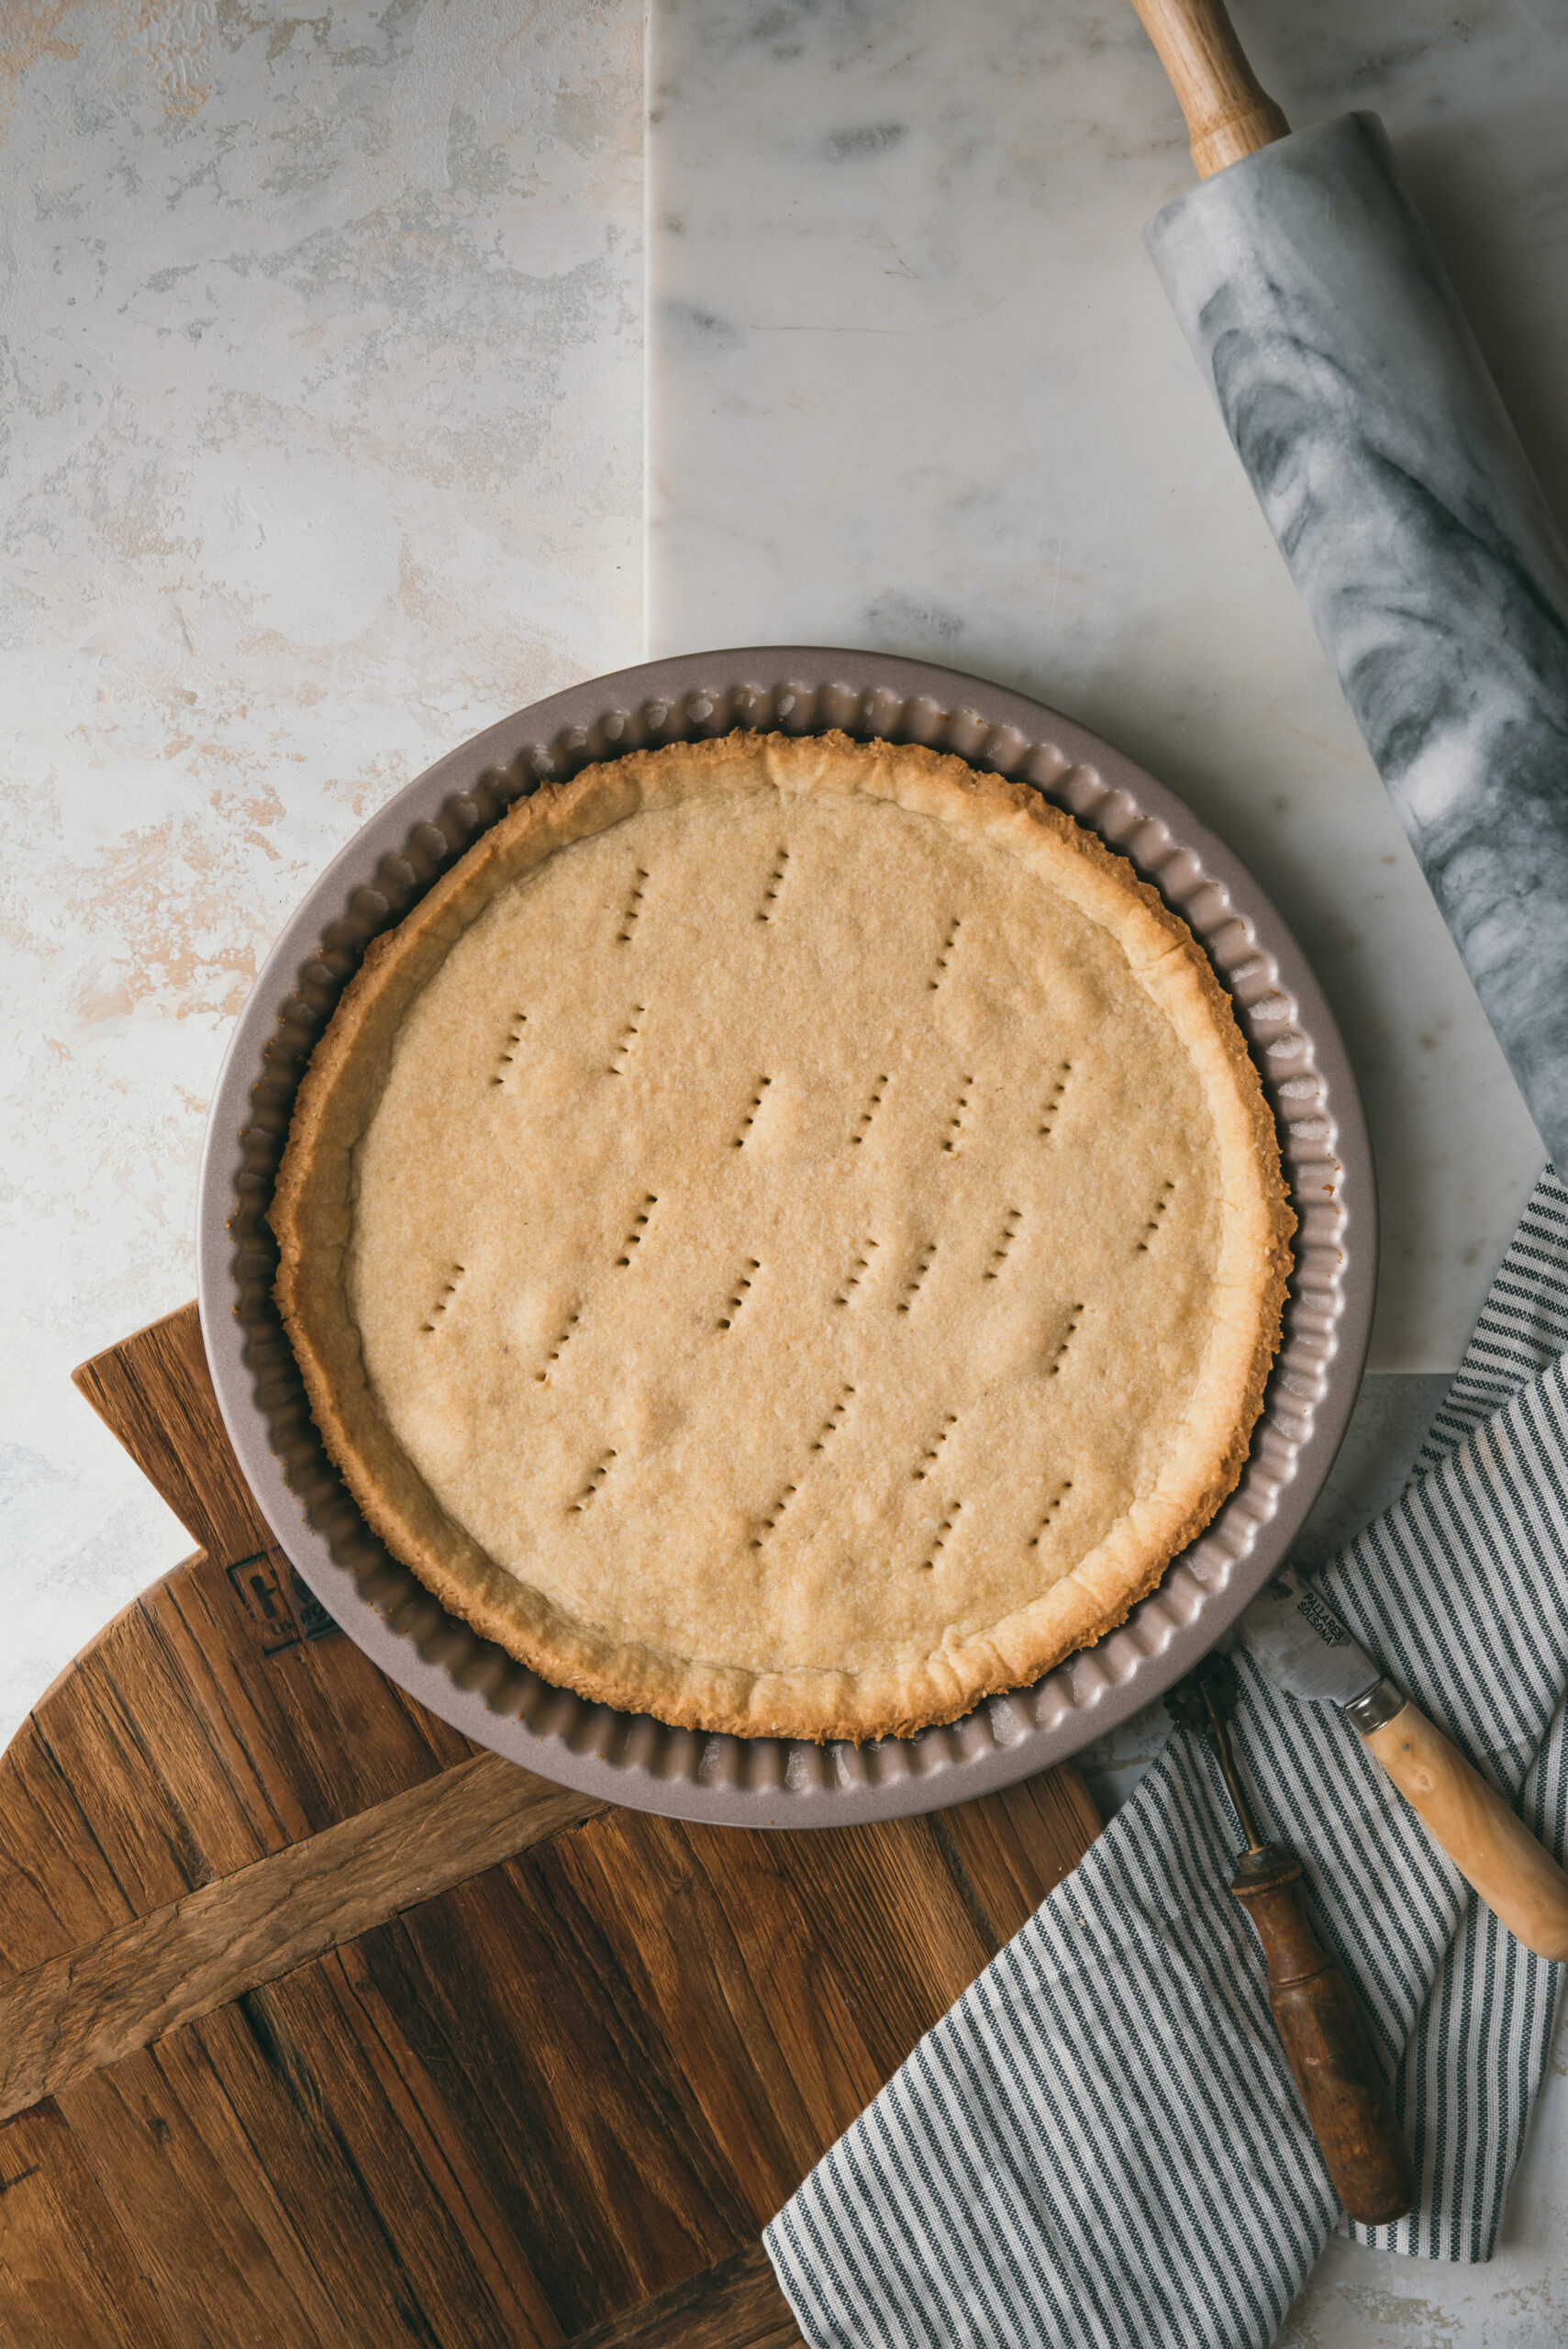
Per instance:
(1100,2145)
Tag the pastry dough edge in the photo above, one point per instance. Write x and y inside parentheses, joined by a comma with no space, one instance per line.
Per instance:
(692,1693)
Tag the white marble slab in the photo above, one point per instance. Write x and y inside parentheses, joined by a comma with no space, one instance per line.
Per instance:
(913,384)
(323,390)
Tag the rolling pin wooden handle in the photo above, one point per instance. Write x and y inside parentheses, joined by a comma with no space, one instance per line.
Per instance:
(1516,1876)
(1229,116)
(1326,2043)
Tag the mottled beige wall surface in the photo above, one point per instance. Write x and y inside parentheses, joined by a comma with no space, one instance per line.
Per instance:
(321,334)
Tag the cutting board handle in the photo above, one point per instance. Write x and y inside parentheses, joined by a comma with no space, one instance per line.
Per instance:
(1326,2043)
(1228,114)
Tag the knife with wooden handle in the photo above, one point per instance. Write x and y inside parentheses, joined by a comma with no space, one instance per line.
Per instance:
(1300,1643)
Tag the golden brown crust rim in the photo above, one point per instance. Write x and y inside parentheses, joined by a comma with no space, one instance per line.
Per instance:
(311,1225)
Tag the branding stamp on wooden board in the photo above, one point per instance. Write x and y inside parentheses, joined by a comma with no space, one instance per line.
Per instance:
(284,1609)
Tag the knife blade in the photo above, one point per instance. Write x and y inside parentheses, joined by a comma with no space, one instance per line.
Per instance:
(1295,1636)
(1303,1646)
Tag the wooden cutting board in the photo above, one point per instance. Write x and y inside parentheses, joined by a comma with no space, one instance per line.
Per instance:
(321,2026)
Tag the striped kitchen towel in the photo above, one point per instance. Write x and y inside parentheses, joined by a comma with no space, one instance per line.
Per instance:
(1100,2145)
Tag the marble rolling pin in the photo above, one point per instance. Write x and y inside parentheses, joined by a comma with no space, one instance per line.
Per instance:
(1402,501)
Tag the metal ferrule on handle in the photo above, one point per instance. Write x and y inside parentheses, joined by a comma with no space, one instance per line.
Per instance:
(1378,1705)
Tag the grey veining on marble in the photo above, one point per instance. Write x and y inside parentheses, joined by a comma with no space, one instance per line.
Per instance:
(1400,497)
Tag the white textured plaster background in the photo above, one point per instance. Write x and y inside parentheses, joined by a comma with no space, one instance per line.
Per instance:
(321,336)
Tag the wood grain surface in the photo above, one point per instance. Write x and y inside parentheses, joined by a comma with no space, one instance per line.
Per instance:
(320,2025)
(1229,114)
(1488,1843)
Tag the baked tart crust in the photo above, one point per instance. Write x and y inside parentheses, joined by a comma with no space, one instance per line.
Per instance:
(785,1236)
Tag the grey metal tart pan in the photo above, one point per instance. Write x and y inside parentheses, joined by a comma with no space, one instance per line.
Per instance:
(773,1782)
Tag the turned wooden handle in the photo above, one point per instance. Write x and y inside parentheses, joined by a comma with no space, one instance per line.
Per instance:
(1229,116)
(1327,2045)
(1517,1878)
